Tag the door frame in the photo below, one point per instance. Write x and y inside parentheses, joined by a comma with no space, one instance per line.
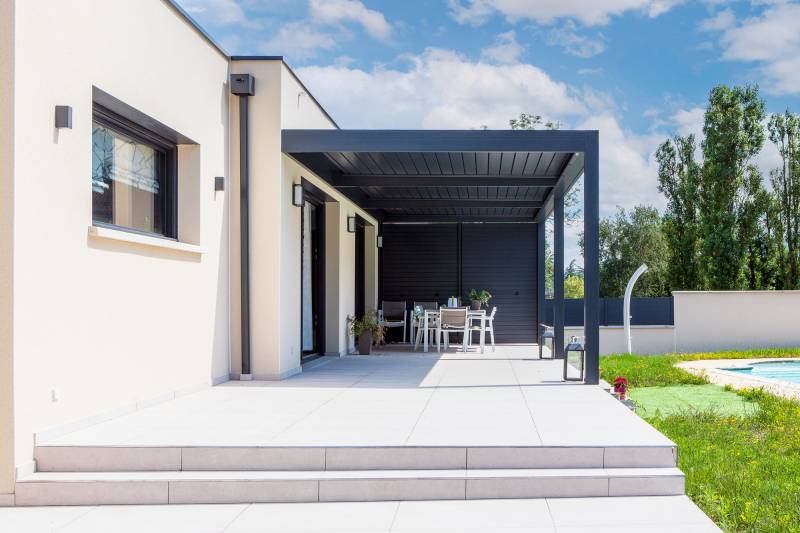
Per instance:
(317,274)
(360,306)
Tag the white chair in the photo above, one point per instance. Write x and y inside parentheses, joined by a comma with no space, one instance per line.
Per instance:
(431,326)
(452,321)
(477,324)
(424,306)
(489,325)
(393,315)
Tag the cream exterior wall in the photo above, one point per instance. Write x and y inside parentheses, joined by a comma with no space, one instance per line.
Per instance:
(6,247)
(281,102)
(107,323)
(724,320)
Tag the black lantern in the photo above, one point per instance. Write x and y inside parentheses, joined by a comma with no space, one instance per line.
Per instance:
(546,340)
(351,224)
(574,360)
(298,198)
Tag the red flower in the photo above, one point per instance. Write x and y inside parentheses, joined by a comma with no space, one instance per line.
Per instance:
(620,384)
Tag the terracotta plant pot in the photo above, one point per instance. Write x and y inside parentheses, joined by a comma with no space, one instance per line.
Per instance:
(476,305)
(365,343)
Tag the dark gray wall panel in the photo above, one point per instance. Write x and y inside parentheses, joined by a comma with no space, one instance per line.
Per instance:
(501,258)
(435,261)
(419,262)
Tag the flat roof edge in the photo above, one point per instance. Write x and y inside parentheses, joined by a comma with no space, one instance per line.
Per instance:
(197,27)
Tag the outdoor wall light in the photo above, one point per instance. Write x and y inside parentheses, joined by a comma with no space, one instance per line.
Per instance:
(298,198)
(351,224)
(64,116)
(380,241)
(219,184)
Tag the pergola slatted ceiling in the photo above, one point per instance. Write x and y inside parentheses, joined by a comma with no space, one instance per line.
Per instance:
(434,175)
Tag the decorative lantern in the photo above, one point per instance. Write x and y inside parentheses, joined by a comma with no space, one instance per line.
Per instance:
(298,198)
(574,360)
(546,340)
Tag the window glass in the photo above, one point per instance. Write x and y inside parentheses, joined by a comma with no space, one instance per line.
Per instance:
(127,181)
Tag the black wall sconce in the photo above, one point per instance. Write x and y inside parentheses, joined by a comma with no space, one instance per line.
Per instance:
(64,116)
(380,241)
(219,184)
(298,198)
(351,224)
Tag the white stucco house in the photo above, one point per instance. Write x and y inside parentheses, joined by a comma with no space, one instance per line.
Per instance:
(173,217)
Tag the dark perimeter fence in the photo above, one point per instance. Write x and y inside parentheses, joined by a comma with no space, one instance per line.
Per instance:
(657,311)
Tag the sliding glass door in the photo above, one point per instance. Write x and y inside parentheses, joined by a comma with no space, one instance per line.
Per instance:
(311,277)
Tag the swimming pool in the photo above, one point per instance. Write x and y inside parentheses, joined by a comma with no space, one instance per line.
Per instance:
(780,370)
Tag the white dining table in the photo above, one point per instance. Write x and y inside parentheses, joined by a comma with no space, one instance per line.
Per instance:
(472,314)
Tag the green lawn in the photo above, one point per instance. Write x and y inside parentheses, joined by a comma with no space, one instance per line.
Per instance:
(740,451)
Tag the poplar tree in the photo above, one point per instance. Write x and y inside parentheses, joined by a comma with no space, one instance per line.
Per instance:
(729,183)
(783,132)
(679,180)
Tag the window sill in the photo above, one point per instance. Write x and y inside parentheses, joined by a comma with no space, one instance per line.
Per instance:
(100,232)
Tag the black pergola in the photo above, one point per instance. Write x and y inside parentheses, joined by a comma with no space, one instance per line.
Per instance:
(433,176)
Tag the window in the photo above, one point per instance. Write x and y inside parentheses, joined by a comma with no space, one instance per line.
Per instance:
(133,177)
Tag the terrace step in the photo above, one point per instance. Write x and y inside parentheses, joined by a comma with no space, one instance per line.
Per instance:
(116,488)
(250,458)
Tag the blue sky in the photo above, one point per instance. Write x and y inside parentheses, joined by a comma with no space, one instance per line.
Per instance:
(637,70)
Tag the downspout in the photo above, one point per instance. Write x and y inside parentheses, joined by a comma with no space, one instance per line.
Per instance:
(243,86)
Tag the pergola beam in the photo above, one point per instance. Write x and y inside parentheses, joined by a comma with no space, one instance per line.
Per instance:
(402,180)
(425,203)
(452,218)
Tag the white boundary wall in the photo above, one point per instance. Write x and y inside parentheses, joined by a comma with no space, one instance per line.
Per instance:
(711,321)
(722,320)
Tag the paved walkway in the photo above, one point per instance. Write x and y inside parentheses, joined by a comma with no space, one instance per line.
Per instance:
(506,398)
(567,515)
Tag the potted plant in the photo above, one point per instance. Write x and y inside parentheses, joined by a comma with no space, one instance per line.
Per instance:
(367,330)
(621,387)
(479,298)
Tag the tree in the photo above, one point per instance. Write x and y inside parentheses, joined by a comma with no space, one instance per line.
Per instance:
(627,240)
(573,287)
(728,184)
(783,132)
(679,180)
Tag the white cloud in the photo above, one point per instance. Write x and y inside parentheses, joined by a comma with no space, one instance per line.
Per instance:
(574,43)
(221,12)
(440,89)
(770,40)
(627,167)
(588,12)
(690,122)
(339,11)
(303,41)
(505,50)
(723,20)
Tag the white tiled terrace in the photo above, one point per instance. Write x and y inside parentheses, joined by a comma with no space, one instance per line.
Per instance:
(505,398)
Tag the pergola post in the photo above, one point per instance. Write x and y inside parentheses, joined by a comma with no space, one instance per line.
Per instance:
(540,277)
(591,256)
(558,275)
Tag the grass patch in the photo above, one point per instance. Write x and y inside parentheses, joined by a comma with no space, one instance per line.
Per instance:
(677,399)
(660,370)
(742,469)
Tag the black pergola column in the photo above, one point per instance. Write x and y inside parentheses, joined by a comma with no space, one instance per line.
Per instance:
(540,277)
(591,256)
(558,276)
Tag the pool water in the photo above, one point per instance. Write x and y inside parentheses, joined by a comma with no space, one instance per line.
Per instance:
(781,370)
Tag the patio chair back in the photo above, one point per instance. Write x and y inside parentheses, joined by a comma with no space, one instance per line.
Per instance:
(494,312)
(453,318)
(393,310)
(427,306)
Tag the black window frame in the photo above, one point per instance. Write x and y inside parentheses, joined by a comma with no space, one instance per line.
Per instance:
(169,181)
